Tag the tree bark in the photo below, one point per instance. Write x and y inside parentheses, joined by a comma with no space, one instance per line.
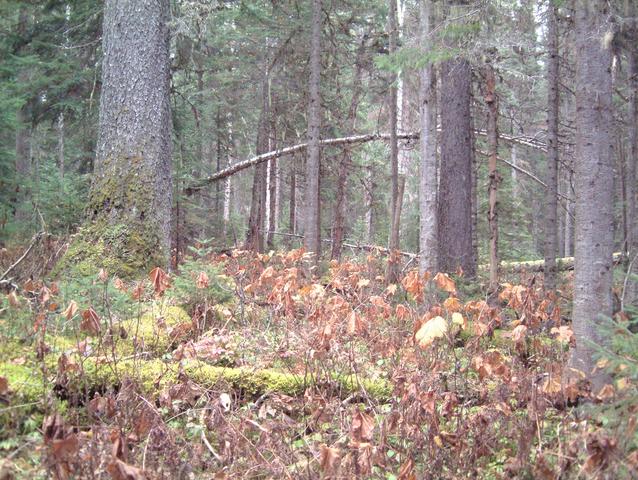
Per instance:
(255,234)
(131,196)
(312,230)
(491,99)
(630,295)
(428,241)
(393,241)
(594,184)
(338,226)
(553,103)
(455,189)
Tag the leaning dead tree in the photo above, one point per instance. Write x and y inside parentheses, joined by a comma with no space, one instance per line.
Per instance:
(336,142)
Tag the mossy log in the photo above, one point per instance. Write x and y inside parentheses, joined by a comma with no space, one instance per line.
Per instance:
(141,356)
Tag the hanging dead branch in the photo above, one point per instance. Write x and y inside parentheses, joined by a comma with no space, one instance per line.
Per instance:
(334,142)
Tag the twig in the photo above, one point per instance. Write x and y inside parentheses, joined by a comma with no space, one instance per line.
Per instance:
(35,240)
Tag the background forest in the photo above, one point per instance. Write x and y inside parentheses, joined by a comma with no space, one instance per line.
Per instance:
(322,239)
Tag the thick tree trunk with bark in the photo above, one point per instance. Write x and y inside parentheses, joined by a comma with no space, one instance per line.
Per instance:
(630,295)
(553,103)
(312,220)
(491,100)
(428,182)
(594,183)
(131,196)
(455,188)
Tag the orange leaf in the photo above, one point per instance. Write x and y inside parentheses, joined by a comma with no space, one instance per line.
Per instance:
(70,310)
(444,282)
(519,334)
(14,301)
(362,427)
(202,280)
(90,322)
(138,291)
(4,386)
(330,458)
(452,304)
(159,279)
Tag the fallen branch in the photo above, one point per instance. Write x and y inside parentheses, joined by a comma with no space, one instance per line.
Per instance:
(34,240)
(333,142)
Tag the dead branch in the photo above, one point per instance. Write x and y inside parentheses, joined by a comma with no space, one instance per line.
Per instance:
(34,240)
(333,142)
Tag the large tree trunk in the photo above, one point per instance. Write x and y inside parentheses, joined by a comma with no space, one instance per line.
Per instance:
(131,195)
(594,184)
(630,296)
(551,200)
(455,190)
(312,230)
(428,241)
(491,100)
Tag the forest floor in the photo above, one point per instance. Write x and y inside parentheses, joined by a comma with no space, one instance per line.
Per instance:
(255,366)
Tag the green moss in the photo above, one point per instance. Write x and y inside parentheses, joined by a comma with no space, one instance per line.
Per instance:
(26,384)
(125,250)
(156,331)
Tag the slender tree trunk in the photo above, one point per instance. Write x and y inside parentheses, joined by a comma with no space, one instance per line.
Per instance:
(455,191)
(594,184)
(227,181)
(338,227)
(255,235)
(369,197)
(131,197)
(292,208)
(312,230)
(60,127)
(553,103)
(273,174)
(393,242)
(491,99)
(428,241)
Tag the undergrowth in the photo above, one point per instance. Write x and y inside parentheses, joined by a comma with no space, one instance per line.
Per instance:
(253,366)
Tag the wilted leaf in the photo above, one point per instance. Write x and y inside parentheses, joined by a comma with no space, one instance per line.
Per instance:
(401,311)
(564,333)
(202,280)
(444,282)
(138,291)
(90,322)
(123,471)
(459,319)
(103,275)
(406,472)
(391,289)
(413,284)
(4,386)
(519,334)
(362,427)
(452,304)
(70,310)
(119,285)
(354,323)
(606,393)
(14,301)
(330,458)
(160,281)
(430,330)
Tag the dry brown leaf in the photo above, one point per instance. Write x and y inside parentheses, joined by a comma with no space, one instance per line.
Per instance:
(90,322)
(123,471)
(362,427)
(329,459)
(444,282)
(70,310)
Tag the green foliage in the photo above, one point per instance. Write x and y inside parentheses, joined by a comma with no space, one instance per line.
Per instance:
(199,281)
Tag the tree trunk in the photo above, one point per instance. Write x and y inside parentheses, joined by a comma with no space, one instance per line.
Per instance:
(273,175)
(338,227)
(312,230)
(292,208)
(455,190)
(553,103)
(393,242)
(491,99)
(594,184)
(255,235)
(131,195)
(630,296)
(60,128)
(428,241)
